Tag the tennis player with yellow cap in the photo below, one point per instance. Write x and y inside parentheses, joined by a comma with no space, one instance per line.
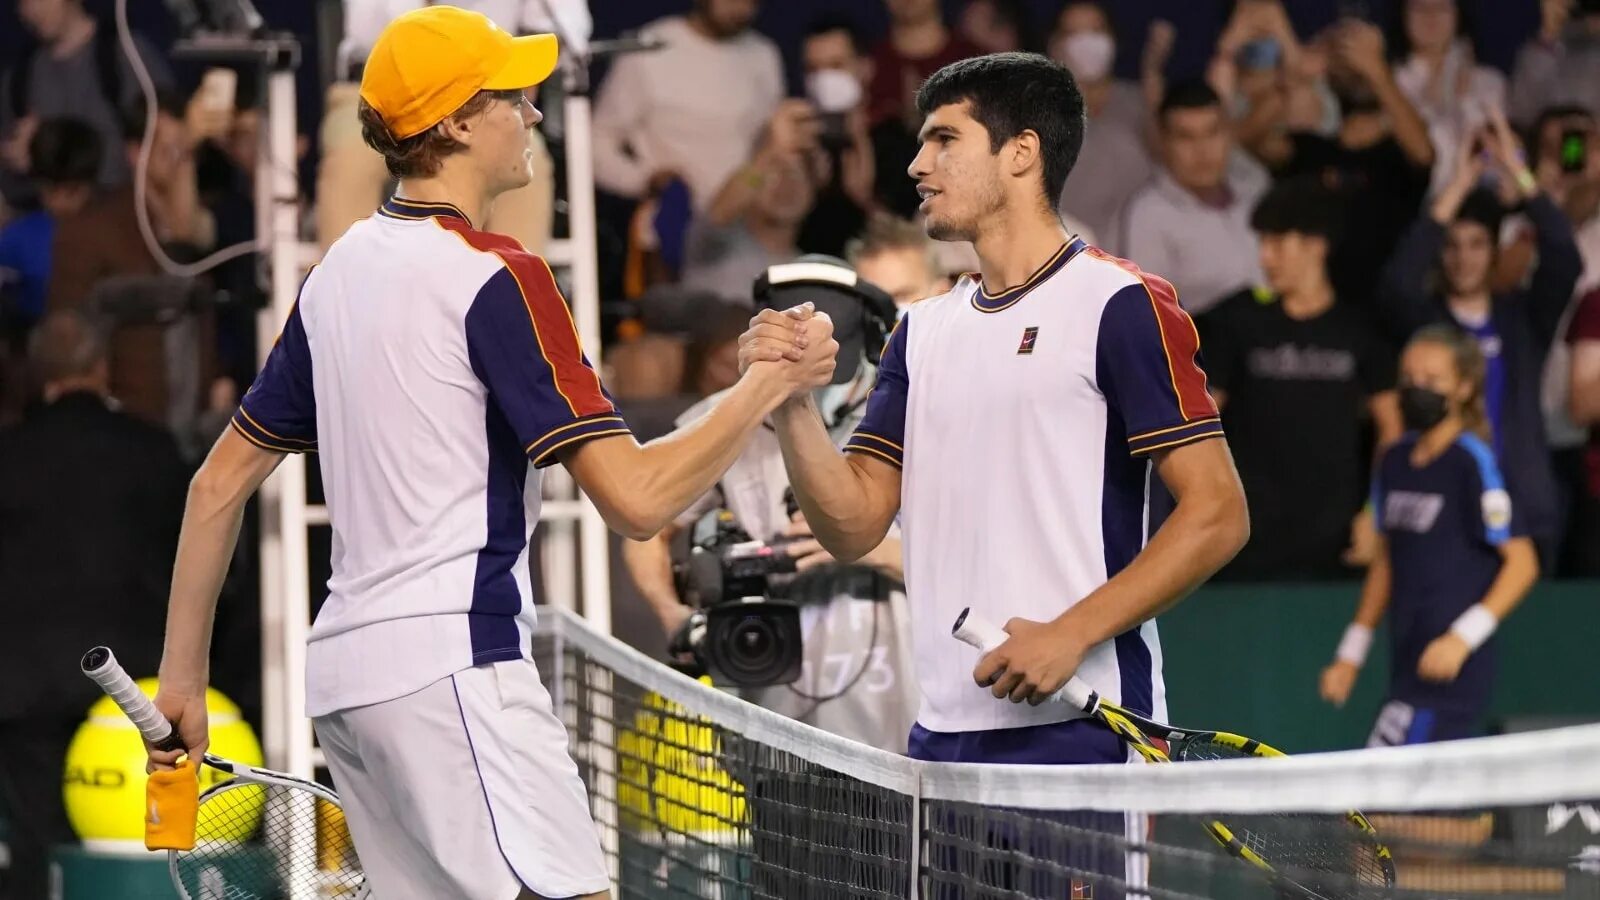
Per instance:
(436,370)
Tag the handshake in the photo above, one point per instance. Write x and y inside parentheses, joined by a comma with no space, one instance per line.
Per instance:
(793,350)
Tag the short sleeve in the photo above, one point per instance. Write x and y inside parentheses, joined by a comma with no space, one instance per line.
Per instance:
(882,432)
(1149,369)
(1494,515)
(279,412)
(524,348)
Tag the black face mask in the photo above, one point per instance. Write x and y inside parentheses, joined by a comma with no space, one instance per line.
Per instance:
(1421,409)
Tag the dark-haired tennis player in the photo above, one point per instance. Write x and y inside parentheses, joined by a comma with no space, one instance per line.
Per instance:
(1028,428)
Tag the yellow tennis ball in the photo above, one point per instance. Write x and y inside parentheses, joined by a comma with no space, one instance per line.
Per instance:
(669,775)
(104,780)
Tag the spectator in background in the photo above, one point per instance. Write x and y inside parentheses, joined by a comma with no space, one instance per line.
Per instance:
(1271,83)
(691,110)
(898,256)
(77,68)
(64,158)
(1378,164)
(1295,370)
(1583,404)
(351,178)
(837,75)
(1438,73)
(1565,158)
(1456,242)
(754,220)
(1455,560)
(1561,64)
(918,45)
(996,26)
(1192,221)
(1115,160)
(90,501)
(104,241)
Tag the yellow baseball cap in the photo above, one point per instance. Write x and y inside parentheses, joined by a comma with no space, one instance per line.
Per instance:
(430,61)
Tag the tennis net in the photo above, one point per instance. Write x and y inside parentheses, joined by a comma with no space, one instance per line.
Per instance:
(699,794)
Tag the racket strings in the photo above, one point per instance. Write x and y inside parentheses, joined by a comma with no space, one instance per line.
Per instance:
(1326,852)
(256,841)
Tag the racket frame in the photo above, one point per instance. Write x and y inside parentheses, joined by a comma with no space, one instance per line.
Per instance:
(100,666)
(1137,730)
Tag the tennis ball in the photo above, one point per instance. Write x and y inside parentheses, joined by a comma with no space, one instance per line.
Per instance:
(104,780)
(669,774)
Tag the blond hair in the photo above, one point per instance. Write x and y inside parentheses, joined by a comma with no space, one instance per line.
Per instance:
(886,233)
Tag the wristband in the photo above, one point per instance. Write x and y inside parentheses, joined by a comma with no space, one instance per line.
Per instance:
(1475,625)
(1527,182)
(1354,645)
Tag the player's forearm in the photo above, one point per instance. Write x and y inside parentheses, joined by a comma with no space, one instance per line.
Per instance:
(1519,569)
(1203,533)
(839,503)
(675,470)
(211,521)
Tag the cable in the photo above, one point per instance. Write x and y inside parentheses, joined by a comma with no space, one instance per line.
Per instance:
(147,87)
(866,663)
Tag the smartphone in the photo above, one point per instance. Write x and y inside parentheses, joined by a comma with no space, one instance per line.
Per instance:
(1574,153)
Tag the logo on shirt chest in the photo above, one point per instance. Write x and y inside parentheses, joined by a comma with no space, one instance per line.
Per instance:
(1030,336)
(1412,511)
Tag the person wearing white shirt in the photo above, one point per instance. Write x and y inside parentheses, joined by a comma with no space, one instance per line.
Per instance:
(1191,222)
(1438,74)
(691,110)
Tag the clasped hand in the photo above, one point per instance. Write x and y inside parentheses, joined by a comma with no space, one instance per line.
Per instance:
(795,345)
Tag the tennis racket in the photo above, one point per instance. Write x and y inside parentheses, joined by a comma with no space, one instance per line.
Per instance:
(260,835)
(1311,856)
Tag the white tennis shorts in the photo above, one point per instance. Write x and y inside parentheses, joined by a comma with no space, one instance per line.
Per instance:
(465,790)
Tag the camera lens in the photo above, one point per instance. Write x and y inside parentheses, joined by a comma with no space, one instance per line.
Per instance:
(751,645)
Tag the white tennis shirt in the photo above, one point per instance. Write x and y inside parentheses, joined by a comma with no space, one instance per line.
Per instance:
(434,368)
(1023,423)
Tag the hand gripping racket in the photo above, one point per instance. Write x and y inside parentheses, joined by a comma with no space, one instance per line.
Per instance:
(1313,856)
(259,835)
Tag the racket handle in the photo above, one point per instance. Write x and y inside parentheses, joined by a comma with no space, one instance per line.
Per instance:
(974,630)
(103,669)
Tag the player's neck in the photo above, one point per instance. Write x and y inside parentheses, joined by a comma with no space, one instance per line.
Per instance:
(458,187)
(1012,249)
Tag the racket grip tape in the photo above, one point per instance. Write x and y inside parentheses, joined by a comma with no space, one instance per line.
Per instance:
(101,665)
(971,628)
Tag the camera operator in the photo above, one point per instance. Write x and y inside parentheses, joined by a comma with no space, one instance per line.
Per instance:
(855,669)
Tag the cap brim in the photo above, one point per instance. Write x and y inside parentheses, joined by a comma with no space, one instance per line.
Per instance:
(533,58)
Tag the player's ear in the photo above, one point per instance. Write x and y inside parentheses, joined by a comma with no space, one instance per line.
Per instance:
(457,128)
(1025,152)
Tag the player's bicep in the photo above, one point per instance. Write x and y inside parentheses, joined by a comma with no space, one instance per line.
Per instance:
(234,469)
(523,347)
(1201,471)
(1148,367)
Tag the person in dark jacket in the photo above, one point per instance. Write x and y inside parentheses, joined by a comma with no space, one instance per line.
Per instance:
(90,503)
(1440,273)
